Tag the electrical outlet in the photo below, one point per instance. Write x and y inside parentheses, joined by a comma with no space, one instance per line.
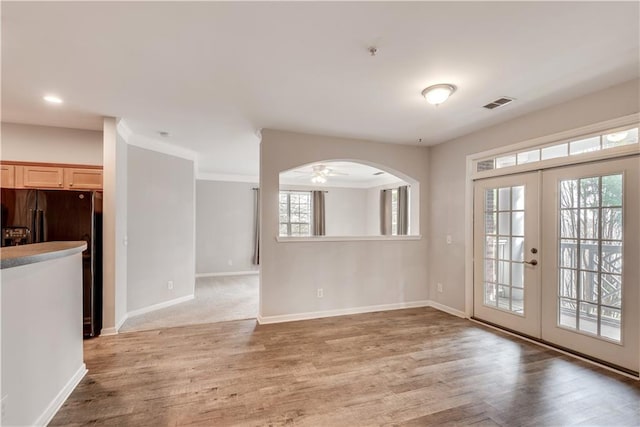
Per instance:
(440,287)
(230,262)
(320,293)
(125,240)
(170,284)
(449,239)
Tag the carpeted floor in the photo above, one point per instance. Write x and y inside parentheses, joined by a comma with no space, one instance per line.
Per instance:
(217,299)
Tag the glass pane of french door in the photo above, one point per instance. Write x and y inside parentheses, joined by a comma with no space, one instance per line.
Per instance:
(506,285)
(590,244)
(591,260)
(504,248)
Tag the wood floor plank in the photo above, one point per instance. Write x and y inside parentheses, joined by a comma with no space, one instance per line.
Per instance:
(406,367)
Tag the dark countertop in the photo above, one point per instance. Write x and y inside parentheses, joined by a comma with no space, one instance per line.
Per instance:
(14,256)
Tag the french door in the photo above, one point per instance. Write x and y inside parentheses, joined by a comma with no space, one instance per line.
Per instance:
(506,244)
(591,262)
(581,230)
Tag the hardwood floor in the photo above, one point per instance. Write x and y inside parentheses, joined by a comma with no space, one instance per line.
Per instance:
(406,367)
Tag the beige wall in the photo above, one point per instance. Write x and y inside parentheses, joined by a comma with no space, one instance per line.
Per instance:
(352,273)
(224,226)
(121,216)
(447,170)
(160,228)
(30,143)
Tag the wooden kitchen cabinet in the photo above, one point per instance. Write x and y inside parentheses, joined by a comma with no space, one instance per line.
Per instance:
(83,179)
(8,177)
(50,176)
(29,176)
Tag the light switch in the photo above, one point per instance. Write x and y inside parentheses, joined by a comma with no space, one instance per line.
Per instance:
(449,239)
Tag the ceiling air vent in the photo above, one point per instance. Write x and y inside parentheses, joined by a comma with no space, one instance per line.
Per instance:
(498,103)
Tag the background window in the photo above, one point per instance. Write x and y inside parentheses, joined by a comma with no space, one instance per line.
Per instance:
(295,213)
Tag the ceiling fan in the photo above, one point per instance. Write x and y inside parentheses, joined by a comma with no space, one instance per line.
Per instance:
(319,173)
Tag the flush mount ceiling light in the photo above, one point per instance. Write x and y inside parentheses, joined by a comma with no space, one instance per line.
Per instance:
(52,99)
(437,94)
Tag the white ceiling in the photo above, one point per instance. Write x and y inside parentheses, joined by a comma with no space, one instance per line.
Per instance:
(213,74)
(345,174)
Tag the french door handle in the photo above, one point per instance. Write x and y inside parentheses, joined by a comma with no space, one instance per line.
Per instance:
(532,262)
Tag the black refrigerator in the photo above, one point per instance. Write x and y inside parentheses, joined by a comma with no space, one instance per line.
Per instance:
(34,216)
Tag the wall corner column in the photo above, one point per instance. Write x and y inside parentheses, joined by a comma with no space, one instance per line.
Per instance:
(114,276)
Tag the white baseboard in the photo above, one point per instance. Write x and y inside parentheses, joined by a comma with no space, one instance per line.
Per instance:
(62,396)
(121,322)
(447,309)
(159,306)
(114,330)
(265,320)
(229,273)
(108,331)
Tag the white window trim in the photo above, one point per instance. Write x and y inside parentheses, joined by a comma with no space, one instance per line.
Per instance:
(596,129)
(471,175)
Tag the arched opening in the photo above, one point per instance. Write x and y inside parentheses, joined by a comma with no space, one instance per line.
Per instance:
(346,197)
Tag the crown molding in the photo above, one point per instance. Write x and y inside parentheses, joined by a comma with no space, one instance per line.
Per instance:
(151,144)
(162,147)
(124,130)
(211,176)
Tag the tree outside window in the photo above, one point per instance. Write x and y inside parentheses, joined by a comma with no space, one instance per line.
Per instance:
(295,213)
